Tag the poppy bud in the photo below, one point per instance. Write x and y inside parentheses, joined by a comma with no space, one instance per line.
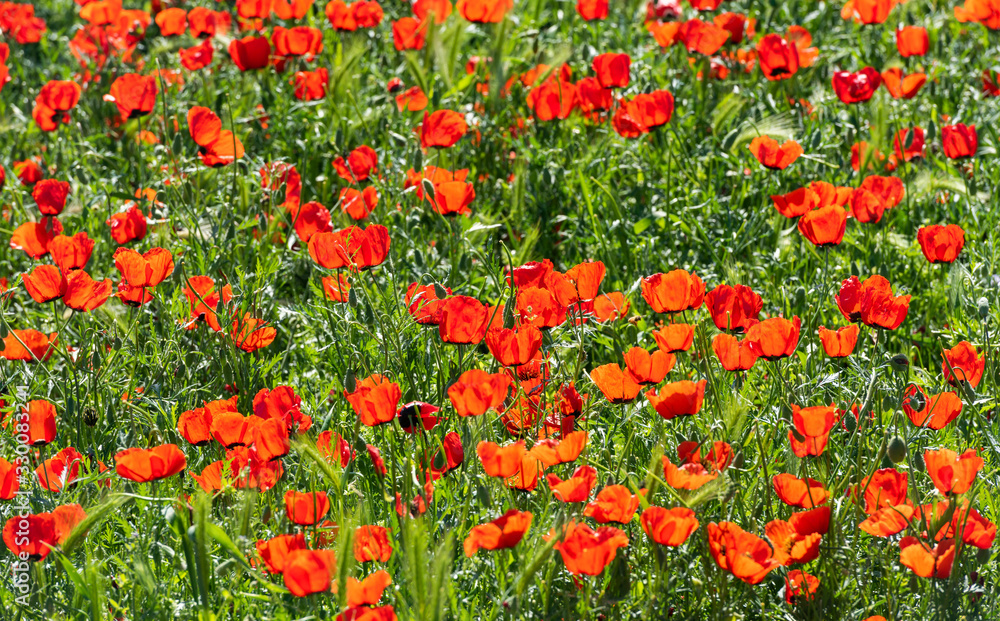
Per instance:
(896,449)
(90,417)
(738,460)
(350,381)
(900,363)
(800,297)
(850,424)
(266,516)
(918,462)
(984,307)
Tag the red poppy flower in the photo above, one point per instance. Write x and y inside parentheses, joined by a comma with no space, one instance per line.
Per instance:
(867,11)
(71,253)
(953,473)
(778,58)
(805,493)
(909,144)
(553,99)
(885,488)
(442,129)
(33,536)
(702,37)
(250,333)
(204,297)
(204,22)
(145,465)
(959,140)
(648,368)
(745,555)
(733,309)
(133,94)
(128,225)
(306,508)
(172,22)
(334,448)
(305,41)
(576,488)
(366,592)
(371,543)
(552,452)
(374,400)
(683,398)
(612,70)
(925,561)
(673,292)
(250,53)
(733,354)
(941,244)
(774,156)
(774,338)
(484,11)
(476,391)
(28,345)
(738,25)
(45,283)
(198,56)
(309,571)
(41,422)
(83,293)
(409,34)
(856,87)
(412,99)
(614,503)
(903,86)
(985,12)
(669,527)
(500,461)
(586,551)
(504,532)
(591,10)
(291,9)
(812,429)
(675,337)
(276,552)
(688,476)
(797,539)
(991,83)
(839,343)
(217,147)
(9,484)
(440,9)
(962,363)
(54,102)
(616,385)
(932,411)
(311,85)
(144,270)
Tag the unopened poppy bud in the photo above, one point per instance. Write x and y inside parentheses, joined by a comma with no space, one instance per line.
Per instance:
(266,515)
(983,307)
(90,417)
(888,403)
(352,298)
(738,460)
(899,362)
(350,382)
(428,187)
(983,555)
(440,291)
(3,331)
(800,297)
(918,462)
(850,423)
(896,449)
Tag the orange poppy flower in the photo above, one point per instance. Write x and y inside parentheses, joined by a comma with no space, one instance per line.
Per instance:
(195,426)
(719,457)
(743,554)
(204,297)
(45,283)
(614,503)
(800,587)
(665,33)
(669,527)
(514,346)
(127,225)
(991,83)
(291,9)
(884,488)
(688,476)
(71,253)
(592,10)
(442,129)
(616,385)
(702,37)
(33,536)
(972,527)
(778,58)
(145,465)
(463,320)
(867,206)
(900,86)
(812,429)
(371,543)
(554,452)
(28,345)
(797,540)
(673,292)
(476,391)
(804,493)
(34,237)
(9,484)
(504,532)
(888,521)
(311,218)
(412,99)
(934,411)
(172,22)
(962,363)
(733,309)
(675,337)
(409,33)
(683,398)
(374,400)
(275,552)
(500,461)
(53,103)
(306,508)
(908,144)
(204,22)
(959,140)
(867,11)
(953,473)
(587,551)
(733,354)
(774,338)
(738,25)
(772,155)
(217,147)
(439,9)
(309,571)
(83,293)
(576,488)
(144,270)
(366,592)
(230,428)
(553,99)
(484,11)
(133,94)
(334,448)
(925,561)
(839,343)
(646,368)
(41,422)
(250,53)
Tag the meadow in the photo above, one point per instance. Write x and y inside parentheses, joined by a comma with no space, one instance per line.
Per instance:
(499,309)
